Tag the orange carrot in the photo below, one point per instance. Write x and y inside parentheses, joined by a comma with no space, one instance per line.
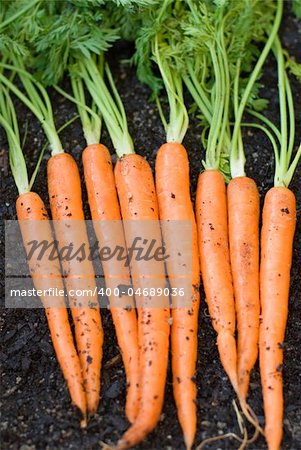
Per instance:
(277,234)
(243,216)
(211,214)
(45,271)
(138,202)
(172,184)
(67,210)
(279,221)
(30,211)
(66,206)
(104,206)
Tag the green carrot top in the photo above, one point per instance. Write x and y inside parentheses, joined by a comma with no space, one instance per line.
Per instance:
(73,36)
(8,120)
(223,68)
(283,139)
(37,100)
(211,47)
(50,32)
(157,40)
(108,102)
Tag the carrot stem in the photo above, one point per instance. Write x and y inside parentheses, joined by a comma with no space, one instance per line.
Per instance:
(199,93)
(212,156)
(283,114)
(91,121)
(266,121)
(41,108)
(111,110)
(34,174)
(291,114)
(267,132)
(178,118)
(284,167)
(236,154)
(16,158)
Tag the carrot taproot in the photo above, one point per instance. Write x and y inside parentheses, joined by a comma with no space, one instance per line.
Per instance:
(173,190)
(174,201)
(278,227)
(66,203)
(46,275)
(277,234)
(138,203)
(243,217)
(104,206)
(67,212)
(212,224)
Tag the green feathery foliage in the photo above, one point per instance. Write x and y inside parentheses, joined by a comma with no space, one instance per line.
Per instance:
(297,8)
(214,47)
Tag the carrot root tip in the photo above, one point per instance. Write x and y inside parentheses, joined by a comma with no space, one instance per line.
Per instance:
(84,422)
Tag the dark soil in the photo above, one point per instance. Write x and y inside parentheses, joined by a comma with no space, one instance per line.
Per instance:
(35,405)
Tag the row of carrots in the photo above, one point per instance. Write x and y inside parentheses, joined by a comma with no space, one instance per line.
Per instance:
(245,273)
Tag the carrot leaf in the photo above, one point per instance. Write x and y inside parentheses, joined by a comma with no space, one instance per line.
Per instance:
(64,30)
(73,36)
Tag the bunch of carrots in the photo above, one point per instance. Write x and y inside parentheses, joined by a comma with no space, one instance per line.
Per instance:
(212,50)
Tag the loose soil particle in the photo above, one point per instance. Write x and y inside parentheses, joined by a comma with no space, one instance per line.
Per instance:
(35,405)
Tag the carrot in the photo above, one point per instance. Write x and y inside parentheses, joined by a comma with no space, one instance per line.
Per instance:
(211,215)
(138,202)
(172,183)
(212,226)
(66,206)
(155,43)
(34,223)
(278,228)
(30,208)
(139,211)
(279,221)
(243,216)
(104,206)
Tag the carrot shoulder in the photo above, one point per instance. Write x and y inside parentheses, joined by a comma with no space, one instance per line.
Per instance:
(105,212)
(46,275)
(173,191)
(139,208)
(212,225)
(67,212)
(278,228)
(243,217)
